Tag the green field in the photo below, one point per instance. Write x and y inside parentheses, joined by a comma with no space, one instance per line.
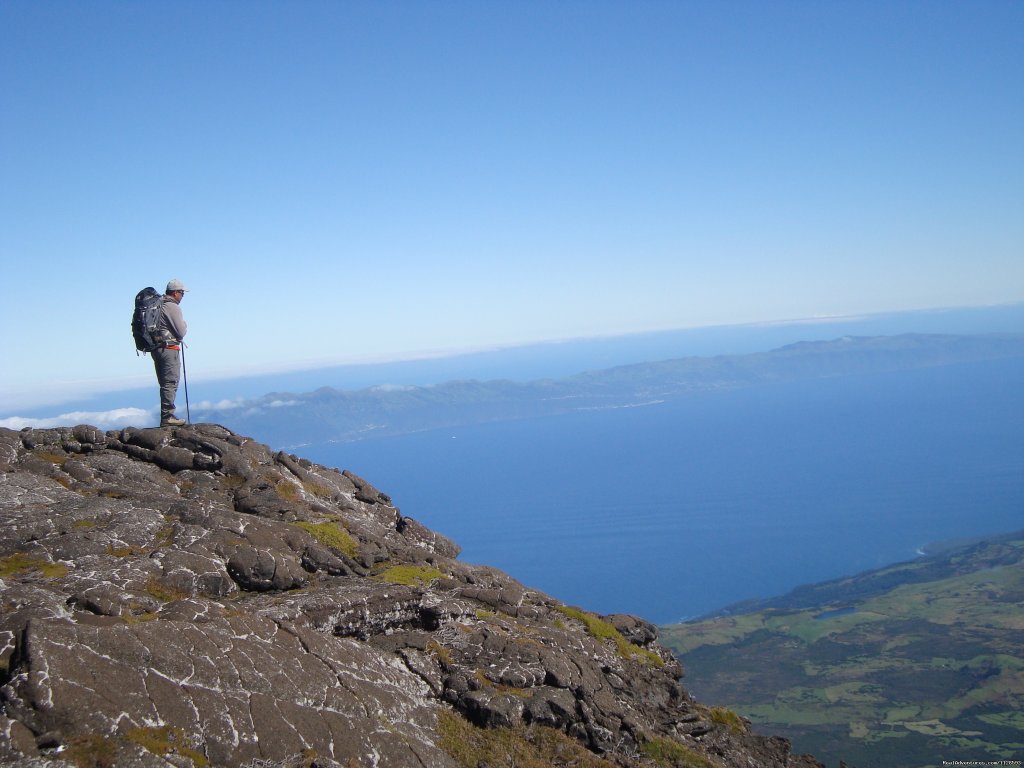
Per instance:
(912,665)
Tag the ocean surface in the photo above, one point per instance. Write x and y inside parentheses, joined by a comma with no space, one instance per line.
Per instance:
(675,510)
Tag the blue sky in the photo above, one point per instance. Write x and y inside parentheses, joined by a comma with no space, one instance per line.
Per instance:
(348,181)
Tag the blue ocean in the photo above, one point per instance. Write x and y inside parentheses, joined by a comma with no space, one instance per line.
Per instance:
(675,510)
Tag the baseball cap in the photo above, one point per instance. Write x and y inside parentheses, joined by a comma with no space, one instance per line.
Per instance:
(176,285)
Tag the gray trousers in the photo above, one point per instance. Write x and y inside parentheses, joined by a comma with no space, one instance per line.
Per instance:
(168,369)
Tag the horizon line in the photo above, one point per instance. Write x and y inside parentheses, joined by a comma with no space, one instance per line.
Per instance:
(61,390)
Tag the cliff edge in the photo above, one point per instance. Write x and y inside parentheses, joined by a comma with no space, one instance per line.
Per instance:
(188,597)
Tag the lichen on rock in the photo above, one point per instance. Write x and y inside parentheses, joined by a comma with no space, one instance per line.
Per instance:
(187,596)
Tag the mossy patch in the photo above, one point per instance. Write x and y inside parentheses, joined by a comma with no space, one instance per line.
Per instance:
(20,563)
(167,740)
(290,490)
(522,747)
(287,490)
(410,575)
(320,490)
(232,482)
(95,751)
(125,551)
(444,656)
(139,618)
(53,458)
(728,718)
(332,535)
(671,754)
(165,593)
(602,630)
(91,751)
(163,538)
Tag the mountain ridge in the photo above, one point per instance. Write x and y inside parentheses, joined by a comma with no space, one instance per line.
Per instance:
(333,415)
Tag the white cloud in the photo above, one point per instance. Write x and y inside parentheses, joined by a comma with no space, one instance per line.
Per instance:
(118,417)
(220,405)
(282,403)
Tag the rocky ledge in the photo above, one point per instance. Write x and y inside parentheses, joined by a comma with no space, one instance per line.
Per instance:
(188,597)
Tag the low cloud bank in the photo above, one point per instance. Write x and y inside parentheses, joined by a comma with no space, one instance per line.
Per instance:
(219,405)
(118,417)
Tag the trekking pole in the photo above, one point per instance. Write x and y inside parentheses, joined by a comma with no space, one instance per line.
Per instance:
(184,380)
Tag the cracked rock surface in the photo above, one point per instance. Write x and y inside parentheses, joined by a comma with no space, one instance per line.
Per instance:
(187,596)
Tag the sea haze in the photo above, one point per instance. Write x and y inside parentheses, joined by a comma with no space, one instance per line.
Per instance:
(675,510)
(549,360)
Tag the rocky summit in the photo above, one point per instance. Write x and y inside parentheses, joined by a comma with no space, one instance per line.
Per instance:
(189,597)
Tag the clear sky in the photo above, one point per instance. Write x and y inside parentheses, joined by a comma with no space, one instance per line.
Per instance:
(340,181)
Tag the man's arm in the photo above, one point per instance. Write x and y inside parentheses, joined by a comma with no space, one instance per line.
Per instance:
(175,320)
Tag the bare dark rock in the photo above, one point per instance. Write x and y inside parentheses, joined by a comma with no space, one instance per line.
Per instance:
(186,595)
(262,570)
(150,439)
(89,435)
(553,707)
(634,629)
(493,710)
(316,557)
(174,459)
(419,535)
(366,492)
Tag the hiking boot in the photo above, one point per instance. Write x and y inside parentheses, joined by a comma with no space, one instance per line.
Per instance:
(172,421)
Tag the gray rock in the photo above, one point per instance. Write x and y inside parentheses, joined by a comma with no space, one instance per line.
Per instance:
(633,628)
(553,707)
(261,570)
(493,710)
(174,459)
(187,591)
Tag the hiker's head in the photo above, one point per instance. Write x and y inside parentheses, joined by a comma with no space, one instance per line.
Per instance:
(176,289)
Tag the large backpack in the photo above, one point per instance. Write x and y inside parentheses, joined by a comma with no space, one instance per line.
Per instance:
(149,308)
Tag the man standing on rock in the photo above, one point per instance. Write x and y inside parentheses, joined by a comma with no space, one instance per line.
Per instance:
(167,357)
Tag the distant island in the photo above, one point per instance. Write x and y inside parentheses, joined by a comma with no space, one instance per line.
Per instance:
(327,414)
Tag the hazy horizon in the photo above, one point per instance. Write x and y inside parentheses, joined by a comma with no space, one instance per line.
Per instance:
(132,405)
(63,392)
